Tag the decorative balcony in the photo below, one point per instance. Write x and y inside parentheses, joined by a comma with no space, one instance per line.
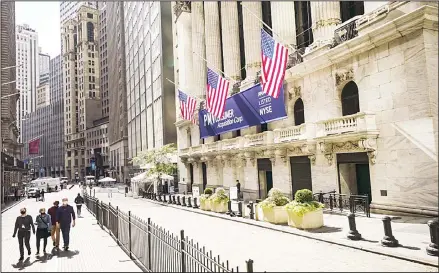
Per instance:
(360,124)
(290,134)
(197,149)
(184,151)
(346,31)
(232,143)
(213,147)
(265,138)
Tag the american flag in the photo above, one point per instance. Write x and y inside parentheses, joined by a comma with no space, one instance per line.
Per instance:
(217,91)
(187,106)
(274,64)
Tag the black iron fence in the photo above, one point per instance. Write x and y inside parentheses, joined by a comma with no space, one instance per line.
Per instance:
(343,202)
(154,248)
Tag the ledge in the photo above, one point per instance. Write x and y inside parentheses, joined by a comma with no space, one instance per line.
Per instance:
(423,17)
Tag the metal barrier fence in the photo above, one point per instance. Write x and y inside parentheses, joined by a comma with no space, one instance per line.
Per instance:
(343,202)
(156,249)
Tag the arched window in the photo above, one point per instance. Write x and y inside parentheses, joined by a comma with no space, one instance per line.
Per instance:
(350,103)
(90,32)
(299,114)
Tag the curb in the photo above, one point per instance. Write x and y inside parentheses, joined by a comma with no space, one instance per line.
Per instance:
(292,232)
(13,205)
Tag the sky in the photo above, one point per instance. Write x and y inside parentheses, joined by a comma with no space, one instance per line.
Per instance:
(44,18)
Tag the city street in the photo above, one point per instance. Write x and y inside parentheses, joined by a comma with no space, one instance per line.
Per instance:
(91,248)
(271,250)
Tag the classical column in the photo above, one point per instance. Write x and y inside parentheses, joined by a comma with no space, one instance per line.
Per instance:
(185,55)
(213,40)
(230,34)
(252,38)
(325,18)
(198,46)
(284,23)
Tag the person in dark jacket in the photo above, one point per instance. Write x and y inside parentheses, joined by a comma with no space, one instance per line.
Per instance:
(79,201)
(44,224)
(54,232)
(23,224)
(42,195)
(64,216)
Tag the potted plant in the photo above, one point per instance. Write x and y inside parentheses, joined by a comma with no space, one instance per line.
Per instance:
(272,209)
(204,199)
(304,212)
(219,201)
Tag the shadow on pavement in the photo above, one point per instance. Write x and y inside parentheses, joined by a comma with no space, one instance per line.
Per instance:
(410,247)
(64,254)
(22,264)
(325,229)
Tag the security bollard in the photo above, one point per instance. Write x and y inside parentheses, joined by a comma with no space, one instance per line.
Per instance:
(353,233)
(159,197)
(173,200)
(250,207)
(170,199)
(94,192)
(432,248)
(388,239)
(178,200)
(183,201)
(229,208)
(239,214)
(195,206)
(189,203)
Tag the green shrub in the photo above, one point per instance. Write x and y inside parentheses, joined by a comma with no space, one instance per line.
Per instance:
(204,197)
(219,196)
(303,196)
(300,209)
(275,199)
(208,191)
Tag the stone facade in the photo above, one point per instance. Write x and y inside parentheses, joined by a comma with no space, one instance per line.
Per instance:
(384,134)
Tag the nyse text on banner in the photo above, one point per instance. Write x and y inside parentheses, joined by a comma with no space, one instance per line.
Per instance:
(248,108)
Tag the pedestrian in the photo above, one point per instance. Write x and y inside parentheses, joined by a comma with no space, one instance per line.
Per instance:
(37,195)
(44,225)
(54,232)
(16,194)
(79,201)
(238,189)
(23,225)
(42,195)
(64,216)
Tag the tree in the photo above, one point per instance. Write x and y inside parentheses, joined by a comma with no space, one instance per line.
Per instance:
(159,161)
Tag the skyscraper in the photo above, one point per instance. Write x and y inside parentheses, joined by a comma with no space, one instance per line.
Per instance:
(44,60)
(56,82)
(149,61)
(103,56)
(28,75)
(82,85)
(117,95)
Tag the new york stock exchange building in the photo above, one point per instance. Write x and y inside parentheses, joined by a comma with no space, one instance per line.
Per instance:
(358,110)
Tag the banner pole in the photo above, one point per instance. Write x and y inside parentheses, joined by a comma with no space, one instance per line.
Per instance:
(229,78)
(278,36)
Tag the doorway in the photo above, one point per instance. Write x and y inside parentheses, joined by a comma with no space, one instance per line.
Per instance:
(300,173)
(265,177)
(204,171)
(191,177)
(354,174)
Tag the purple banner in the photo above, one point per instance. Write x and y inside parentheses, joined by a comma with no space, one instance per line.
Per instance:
(248,108)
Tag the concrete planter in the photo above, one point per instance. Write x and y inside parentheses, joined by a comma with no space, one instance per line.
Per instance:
(276,215)
(309,220)
(205,205)
(219,207)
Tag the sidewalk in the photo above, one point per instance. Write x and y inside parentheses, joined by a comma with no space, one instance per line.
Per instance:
(10,204)
(91,249)
(271,250)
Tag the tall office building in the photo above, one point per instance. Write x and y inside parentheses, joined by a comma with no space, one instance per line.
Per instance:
(56,80)
(149,61)
(44,60)
(11,165)
(28,73)
(117,95)
(81,86)
(103,57)
(43,97)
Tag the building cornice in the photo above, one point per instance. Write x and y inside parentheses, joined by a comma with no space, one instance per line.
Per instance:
(182,123)
(423,17)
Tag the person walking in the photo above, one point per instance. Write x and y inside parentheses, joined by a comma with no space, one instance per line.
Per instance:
(79,201)
(64,216)
(42,195)
(54,232)
(44,224)
(16,194)
(23,225)
(37,195)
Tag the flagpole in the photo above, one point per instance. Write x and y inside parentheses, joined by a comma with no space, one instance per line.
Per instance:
(278,36)
(234,81)
(189,95)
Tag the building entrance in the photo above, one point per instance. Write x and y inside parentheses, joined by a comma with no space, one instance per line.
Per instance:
(265,177)
(204,171)
(300,173)
(354,174)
